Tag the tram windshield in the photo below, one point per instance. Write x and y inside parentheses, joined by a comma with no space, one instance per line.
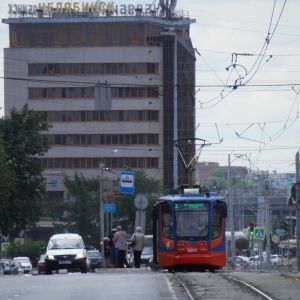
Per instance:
(192,220)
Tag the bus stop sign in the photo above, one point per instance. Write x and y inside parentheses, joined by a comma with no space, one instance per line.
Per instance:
(127,182)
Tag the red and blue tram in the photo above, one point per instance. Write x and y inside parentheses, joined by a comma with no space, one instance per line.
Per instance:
(189,231)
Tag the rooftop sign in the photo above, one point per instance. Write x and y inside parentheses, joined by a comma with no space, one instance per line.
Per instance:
(100,7)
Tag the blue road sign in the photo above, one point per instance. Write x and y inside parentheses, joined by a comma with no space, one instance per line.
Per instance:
(109,207)
(259,233)
(127,182)
(5,246)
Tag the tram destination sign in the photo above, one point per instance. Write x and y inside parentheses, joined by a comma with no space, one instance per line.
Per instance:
(189,206)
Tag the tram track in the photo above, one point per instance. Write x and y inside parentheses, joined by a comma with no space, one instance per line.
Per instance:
(261,293)
(218,286)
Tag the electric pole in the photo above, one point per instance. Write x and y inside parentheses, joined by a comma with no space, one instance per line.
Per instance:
(298,209)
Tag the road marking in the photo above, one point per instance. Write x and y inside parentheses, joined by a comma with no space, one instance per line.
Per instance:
(169,284)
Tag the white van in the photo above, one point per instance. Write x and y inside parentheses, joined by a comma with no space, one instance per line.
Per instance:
(65,251)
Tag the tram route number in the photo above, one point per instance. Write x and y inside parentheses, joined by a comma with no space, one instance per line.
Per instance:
(192,250)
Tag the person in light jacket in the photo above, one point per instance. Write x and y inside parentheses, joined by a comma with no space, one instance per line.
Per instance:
(119,240)
(138,247)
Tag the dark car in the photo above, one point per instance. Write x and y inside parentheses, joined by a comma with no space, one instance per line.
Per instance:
(41,264)
(93,260)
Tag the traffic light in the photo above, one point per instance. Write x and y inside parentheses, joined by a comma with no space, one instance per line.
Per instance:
(292,199)
(286,228)
(251,231)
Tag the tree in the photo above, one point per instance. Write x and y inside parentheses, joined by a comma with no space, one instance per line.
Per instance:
(28,248)
(7,183)
(81,215)
(23,141)
(241,244)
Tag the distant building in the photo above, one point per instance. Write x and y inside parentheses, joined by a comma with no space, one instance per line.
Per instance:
(205,170)
(120,78)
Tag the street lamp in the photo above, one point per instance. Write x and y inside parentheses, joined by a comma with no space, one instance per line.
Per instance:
(102,210)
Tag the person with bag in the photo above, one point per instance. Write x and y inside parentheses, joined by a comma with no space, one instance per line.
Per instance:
(120,244)
(138,247)
(119,240)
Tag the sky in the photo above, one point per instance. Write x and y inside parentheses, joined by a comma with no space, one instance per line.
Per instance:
(247,79)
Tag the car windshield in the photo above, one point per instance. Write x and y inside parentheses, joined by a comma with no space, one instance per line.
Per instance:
(93,254)
(65,244)
(149,242)
(147,251)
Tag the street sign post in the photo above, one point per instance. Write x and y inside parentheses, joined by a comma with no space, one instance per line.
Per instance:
(274,238)
(5,246)
(140,201)
(127,182)
(259,233)
(109,207)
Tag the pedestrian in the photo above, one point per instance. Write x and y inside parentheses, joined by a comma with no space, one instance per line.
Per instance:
(138,247)
(119,240)
(112,250)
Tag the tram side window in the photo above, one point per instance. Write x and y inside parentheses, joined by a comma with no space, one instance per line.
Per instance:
(167,222)
(216,222)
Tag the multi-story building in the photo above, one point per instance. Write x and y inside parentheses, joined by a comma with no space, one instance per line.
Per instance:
(107,78)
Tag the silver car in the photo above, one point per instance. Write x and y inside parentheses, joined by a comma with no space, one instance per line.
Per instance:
(25,264)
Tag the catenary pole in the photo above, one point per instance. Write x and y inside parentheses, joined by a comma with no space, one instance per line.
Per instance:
(231,213)
(101,214)
(298,209)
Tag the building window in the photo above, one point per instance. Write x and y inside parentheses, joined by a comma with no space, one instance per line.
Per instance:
(92,69)
(69,93)
(88,92)
(152,41)
(86,34)
(104,139)
(96,116)
(93,163)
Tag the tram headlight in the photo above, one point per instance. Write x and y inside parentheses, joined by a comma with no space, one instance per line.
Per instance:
(203,245)
(181,244)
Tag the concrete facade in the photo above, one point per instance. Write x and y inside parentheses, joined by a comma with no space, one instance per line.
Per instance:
(62,41)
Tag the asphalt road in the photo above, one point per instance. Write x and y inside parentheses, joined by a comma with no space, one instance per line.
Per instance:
(131,284)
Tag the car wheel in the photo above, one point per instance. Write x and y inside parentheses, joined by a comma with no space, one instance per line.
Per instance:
(83,270)
(48,271)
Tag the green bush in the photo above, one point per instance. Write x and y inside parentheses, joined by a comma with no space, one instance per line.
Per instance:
(241,244)
(29,249)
